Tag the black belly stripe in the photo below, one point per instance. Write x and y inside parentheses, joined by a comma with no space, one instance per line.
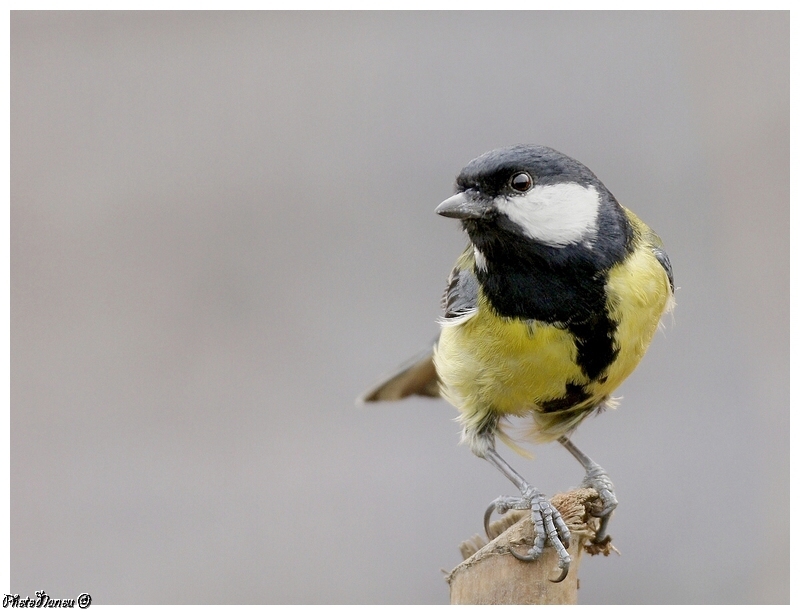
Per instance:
(595,343)
(576,394)
(564,287)
(580,308)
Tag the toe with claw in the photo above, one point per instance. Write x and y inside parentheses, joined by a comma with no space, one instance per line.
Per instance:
(547,523)
(597,479)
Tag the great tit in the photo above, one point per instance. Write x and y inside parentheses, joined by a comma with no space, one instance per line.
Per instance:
(550,307)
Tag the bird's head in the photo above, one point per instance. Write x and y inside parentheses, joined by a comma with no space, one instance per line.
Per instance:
(533,195)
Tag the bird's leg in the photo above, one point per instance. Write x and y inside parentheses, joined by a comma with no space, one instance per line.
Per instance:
(547,521)
(597,479)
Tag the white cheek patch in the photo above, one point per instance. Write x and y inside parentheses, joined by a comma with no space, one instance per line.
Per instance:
(555,215)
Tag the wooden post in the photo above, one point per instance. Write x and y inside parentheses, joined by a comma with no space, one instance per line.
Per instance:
(490,574)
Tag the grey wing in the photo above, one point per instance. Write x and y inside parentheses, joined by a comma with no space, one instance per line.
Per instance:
(418,376)
(460,300)
(662,257)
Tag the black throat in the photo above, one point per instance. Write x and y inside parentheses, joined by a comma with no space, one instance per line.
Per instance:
(564,287)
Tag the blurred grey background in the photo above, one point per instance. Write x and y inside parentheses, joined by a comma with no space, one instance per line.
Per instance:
(222,232)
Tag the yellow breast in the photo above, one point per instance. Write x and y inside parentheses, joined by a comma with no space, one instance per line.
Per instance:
(502,364)
(638,295)
(494,365)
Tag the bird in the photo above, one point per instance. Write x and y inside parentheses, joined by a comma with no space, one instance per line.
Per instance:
(550,307)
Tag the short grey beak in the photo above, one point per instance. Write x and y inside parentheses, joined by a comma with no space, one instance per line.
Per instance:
(462,205)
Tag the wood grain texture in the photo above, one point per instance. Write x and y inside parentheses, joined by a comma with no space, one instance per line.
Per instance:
(492,575)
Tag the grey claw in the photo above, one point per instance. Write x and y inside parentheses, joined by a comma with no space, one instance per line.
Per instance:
(602,531)
(502,505)
(528,557)
(487,516)
(532,555)
(563,575)
(597,478)
(548,526)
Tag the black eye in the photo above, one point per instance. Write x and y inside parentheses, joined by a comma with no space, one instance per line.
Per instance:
(521,182)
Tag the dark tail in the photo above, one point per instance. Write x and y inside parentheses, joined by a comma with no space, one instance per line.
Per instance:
(416,377)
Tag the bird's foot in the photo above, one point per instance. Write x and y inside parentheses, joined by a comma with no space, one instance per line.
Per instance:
(597,479)
(548,526)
